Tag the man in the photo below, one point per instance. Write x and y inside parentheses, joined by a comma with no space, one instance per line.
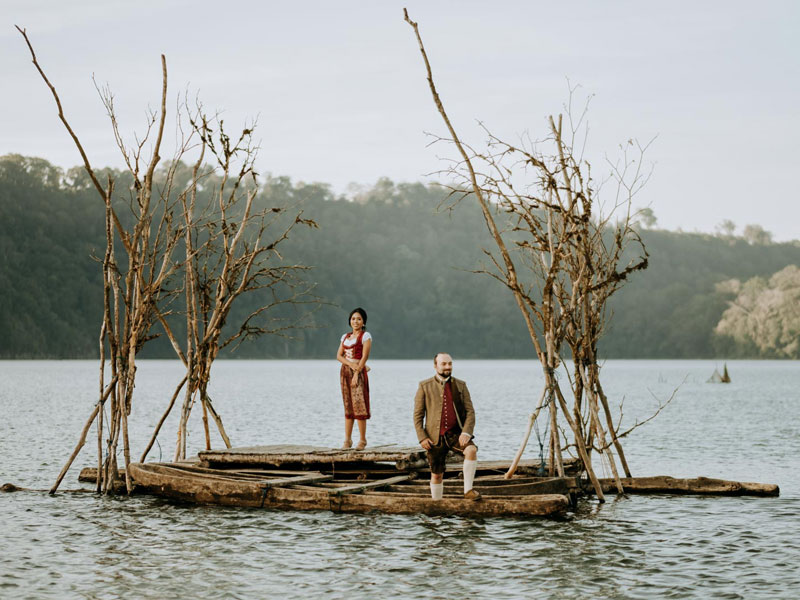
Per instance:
(444,420)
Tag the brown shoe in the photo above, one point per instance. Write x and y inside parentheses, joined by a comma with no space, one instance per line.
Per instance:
(361,445)
(347,444)
(472,494)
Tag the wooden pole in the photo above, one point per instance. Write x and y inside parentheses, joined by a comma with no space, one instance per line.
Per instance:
(180,448)
(100,416)
(218,421)
(126,450)
(515,463)
(598,428)
(554,443)
(163,418)
(580,443)
(205,423)
(81,442)
(82,438)
(612,432)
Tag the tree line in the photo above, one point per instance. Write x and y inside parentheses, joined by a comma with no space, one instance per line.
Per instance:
(393,249)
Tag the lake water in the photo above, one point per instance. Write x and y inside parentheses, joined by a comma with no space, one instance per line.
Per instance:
(87,546)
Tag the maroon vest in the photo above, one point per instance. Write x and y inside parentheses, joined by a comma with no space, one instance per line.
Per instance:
(449,420)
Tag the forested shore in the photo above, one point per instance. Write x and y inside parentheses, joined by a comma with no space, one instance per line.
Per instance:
(394,250)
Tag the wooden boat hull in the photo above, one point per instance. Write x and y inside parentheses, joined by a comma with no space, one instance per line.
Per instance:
(501,487)
(227,490)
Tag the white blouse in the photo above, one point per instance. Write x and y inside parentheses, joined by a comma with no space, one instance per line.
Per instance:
(352,341)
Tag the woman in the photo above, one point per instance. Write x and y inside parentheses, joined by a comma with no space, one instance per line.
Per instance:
(353,353)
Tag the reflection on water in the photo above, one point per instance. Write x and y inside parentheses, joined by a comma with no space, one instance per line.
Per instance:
(81,545)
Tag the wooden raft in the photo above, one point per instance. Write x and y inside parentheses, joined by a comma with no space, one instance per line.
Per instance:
(323,458)
(390,479)
(310,456)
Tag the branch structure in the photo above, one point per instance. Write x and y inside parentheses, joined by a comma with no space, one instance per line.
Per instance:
(180,261)
(559,256)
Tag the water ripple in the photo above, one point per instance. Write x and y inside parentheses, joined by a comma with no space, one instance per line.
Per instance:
(85,546)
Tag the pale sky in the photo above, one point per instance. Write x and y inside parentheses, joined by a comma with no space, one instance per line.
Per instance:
(340,93)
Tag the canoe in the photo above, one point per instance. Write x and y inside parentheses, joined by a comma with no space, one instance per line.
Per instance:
(320,491)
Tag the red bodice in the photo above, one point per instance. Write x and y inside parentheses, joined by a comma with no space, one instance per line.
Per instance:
(356,351)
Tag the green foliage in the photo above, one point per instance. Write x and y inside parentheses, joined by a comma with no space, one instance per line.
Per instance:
(766,314)
(390,250)
(50,288)
(671,310)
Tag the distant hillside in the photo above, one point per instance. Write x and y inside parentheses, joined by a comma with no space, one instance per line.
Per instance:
(389,251)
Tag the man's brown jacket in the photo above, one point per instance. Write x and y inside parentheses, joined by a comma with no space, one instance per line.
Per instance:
(428,408)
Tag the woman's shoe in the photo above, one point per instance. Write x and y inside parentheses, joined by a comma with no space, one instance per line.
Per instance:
(347,444)
(361,444)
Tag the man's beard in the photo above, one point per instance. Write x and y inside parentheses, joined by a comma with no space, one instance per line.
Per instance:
(445,374)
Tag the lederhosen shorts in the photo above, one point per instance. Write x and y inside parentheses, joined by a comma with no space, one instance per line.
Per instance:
(437,455)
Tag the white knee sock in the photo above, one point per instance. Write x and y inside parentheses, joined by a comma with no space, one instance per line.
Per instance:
(437,490)
(469,474)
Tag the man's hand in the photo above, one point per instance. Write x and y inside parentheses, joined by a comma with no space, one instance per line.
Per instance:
(464,439)
(426,443)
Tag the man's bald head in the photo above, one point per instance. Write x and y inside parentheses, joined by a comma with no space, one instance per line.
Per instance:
(443,363)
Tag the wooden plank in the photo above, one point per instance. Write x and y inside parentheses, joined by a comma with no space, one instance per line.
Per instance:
(519,506)
(261,472)
(310,455)
(233,477)
(405,458)
(664,484)
(355,489)
(361,470)
(89,474)
(557,485)
(301,450)
(218,473)
(286,478)
(500,481)
(529,467)
(311,478)
(254,475)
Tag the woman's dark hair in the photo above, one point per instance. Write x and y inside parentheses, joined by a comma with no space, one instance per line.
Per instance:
(360,311)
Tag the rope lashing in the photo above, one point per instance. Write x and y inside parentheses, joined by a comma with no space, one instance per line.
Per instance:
(539,438)
(264,491)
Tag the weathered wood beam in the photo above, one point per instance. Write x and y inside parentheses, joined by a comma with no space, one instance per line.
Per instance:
(282,482)
(664,484)
(358,488)
(292,454)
